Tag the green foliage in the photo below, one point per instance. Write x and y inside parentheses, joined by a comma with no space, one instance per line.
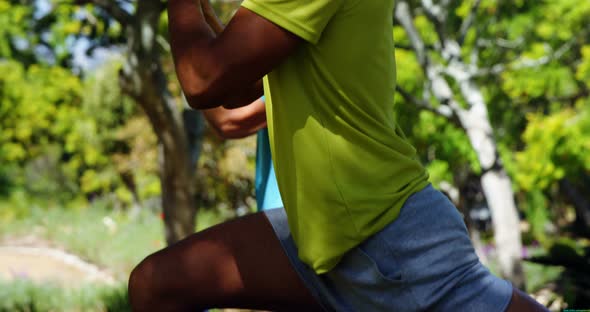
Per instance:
(409,73)
(443,147)
(548,81)
(556,146)
(225,175)
(38,107)
(70,137)
(583,72)
(531,59)
(537,214)
(14,28)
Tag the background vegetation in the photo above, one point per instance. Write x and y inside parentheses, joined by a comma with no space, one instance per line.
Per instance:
(94,133)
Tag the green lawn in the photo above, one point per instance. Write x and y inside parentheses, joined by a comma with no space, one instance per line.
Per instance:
(28,297)
(111,240)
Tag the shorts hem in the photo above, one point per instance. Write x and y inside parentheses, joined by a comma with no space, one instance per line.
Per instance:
(505,306)
(275,218)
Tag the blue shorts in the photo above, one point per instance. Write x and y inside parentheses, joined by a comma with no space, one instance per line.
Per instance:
(424,260)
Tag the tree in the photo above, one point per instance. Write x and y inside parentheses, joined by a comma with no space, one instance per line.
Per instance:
(39,107)
(143,78)
(471,115)
(46,32)
(484,65)
(62,124)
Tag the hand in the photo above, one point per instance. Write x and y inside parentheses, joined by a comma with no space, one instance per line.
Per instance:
(211,17)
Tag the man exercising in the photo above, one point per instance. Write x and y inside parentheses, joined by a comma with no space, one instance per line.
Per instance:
(362,229)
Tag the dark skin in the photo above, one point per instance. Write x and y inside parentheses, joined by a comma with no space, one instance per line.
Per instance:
(228,68)
(238,122)
(222,266)
(218,267)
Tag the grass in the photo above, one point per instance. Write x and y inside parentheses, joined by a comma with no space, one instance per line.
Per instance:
(26,296)
(538,276)
(112,240)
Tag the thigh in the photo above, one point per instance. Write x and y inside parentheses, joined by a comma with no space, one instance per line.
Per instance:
(238,264)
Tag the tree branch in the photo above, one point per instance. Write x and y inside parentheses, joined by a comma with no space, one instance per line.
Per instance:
(427,47)
(438,85)
(404,17)
(437,14)
(112,8)
(500,42)
(527,63)
(441,110)
(468,22)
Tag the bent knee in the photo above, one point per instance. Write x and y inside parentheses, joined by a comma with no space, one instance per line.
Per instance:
(143,285)
(171,278)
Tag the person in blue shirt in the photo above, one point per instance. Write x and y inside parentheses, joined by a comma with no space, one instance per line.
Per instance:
(243,122)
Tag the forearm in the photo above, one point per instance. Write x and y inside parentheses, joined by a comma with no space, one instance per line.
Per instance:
(198,66)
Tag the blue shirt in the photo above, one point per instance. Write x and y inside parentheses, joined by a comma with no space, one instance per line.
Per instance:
(267,189)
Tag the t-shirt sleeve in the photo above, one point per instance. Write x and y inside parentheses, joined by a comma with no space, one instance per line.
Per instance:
(304,18)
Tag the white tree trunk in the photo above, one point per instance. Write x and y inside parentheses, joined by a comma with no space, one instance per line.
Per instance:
(496,184)
(475,121)
(498,191)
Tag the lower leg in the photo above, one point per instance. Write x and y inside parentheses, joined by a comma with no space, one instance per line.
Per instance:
(521,302)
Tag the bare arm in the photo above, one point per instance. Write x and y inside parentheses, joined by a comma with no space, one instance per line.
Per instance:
(228,68)
(237,123)
(232,123)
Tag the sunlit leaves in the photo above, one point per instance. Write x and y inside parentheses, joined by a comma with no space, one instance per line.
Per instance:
(426,29)
(583,70)
(71,129)
(556,145)
(527,83)
(409,73)
(28,105)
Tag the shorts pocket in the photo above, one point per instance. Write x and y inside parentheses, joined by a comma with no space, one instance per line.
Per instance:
(383,263)
(369,279)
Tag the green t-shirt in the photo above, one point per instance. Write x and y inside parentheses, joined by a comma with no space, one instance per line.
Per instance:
(343,166)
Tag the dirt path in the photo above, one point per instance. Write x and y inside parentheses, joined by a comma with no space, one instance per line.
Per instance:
(42,264)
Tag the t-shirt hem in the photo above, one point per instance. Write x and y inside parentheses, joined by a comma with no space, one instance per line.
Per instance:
(415,186)
(281,20)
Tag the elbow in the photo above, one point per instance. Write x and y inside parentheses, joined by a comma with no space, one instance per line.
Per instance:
(198,88)
(199,96)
